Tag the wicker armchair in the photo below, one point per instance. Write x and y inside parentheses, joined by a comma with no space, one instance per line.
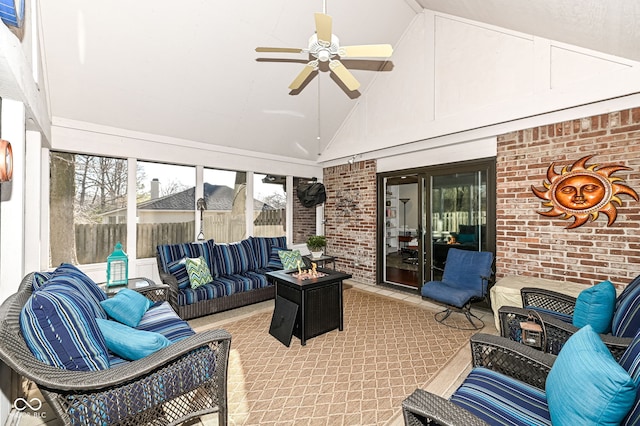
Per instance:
(182,381)
(493,352)
(556,311)
(513,384)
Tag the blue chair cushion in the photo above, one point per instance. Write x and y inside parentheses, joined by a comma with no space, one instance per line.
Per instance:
(60,329)
(500,399)
(465,277)
(586,386)
(630,361)
(274,258)
(234,258)
(626,317)
(127,307)
(594,306)
(129,343)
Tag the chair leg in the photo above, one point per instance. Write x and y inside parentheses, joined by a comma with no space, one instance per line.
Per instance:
(443,315)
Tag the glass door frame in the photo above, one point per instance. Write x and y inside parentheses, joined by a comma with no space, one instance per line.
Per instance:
(424,215)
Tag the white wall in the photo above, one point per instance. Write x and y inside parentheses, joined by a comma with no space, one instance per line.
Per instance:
(456,81)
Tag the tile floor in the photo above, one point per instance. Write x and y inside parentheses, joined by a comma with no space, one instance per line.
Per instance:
(444,384)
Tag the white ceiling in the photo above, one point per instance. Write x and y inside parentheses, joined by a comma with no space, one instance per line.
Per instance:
(189,70)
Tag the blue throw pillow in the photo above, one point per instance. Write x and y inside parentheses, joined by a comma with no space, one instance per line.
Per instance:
(129,343)
(127,307)
(274,258)
(594,306)
(586,386)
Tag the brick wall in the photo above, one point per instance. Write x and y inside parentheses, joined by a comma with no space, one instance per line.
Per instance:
(534,245)
(304,219)
(350,218)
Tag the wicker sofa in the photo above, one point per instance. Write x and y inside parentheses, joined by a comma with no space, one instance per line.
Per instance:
(238,272)
(183,380)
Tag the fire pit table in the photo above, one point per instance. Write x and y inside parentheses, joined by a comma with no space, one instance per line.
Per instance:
(318,300)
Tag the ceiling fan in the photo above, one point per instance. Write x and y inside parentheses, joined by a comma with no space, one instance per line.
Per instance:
(324,46)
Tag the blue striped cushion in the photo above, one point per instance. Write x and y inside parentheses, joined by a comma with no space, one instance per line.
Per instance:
(178,268)
(169,253)
(274,259)
(232,283)
(208,291)
(60,330)
(233,258)
(255,280)
(72,277)
(501,400)
(262,248)
(161,318)
(626,316)
(630,361)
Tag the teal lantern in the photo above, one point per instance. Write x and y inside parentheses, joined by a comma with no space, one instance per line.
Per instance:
(117,267)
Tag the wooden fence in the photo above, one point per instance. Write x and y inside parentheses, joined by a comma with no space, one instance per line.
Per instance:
(94,242)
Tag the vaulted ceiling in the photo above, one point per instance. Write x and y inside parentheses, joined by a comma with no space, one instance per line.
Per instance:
(189,70)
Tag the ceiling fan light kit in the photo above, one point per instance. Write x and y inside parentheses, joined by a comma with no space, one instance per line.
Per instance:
(324,46)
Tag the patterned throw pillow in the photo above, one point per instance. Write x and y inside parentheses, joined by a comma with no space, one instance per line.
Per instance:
(290,259)
(198,271)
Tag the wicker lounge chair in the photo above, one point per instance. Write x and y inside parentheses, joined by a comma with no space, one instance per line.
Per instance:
(556,311)
(509,386)
(184,380)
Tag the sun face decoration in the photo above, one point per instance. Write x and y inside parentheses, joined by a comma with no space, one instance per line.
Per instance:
(583,192)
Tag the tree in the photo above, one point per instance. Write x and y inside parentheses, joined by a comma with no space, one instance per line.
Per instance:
(62,194)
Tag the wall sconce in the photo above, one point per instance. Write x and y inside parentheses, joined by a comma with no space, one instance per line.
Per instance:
(117,267)
(6,161)
(352,159)
(201,205)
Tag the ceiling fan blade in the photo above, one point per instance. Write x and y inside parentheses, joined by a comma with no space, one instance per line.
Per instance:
(306,72)
(367,50)
(344,75)
(279,49)
(323,28)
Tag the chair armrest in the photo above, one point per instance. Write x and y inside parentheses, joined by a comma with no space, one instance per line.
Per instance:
(65,380)
(511,358)
(422,407)
(548,299)
(558,332)
(172,282)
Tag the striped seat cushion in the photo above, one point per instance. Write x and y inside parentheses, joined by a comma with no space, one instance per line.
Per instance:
(60,329)
(501,400)
(161,318)
(234,258)
(209,291)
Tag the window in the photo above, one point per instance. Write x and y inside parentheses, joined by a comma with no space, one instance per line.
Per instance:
(165,206)
(225,194)
(269,205)
(88,201)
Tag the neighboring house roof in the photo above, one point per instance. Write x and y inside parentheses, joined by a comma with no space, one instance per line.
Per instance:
(217,197)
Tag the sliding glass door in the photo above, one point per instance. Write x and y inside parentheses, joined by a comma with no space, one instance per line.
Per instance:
(426,212)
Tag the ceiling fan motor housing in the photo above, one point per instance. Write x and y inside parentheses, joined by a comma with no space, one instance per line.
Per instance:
(321,51)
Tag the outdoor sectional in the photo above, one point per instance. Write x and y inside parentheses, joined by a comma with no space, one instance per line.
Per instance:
(237,270)
(93,368)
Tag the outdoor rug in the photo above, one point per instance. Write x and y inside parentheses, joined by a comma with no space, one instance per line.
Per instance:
(358,376)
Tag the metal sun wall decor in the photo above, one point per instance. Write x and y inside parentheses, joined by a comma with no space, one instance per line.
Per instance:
(583,192)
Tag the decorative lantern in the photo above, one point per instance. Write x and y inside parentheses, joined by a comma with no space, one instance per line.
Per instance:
(533,334)
(117,267)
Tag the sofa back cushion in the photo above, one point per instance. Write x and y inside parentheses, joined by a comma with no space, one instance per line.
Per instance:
(171,258)
(626,315)
(60,329)
(262,248)
(235,258)
(630,361)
